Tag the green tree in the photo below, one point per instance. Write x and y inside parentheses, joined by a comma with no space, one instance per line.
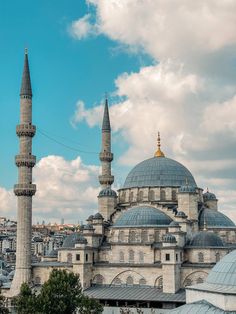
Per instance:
(89,306)
(3,309)
(26,302)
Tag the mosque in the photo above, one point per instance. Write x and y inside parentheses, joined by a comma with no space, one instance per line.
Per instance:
(151,241)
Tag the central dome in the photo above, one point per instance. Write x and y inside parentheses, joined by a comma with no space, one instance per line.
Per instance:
(142,216)
(159,171)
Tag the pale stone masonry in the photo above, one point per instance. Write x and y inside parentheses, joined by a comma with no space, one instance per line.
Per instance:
(24,190)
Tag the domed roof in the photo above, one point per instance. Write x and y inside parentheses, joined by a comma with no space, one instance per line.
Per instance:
(206,239)
(169,238)
(215,219)
(107,192)
(224,272)
(174,224)
(159,171)
(90,218)
(71,240)
(97,216)
(209,196)
(181,214)
(142,216)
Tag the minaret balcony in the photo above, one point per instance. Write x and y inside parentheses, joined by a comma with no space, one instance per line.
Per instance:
(25,160)
(25,130)
(106,156)
(24,189)
(106,179)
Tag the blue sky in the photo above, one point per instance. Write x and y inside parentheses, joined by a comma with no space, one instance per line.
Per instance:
(168,66)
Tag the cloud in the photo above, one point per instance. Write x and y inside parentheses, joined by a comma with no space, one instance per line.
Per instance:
(82,28)
(65,188)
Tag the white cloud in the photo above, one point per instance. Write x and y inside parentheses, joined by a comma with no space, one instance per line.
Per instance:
(82,28)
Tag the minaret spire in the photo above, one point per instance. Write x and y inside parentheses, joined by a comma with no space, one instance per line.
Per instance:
(24,190)
(106,156)
(159,153)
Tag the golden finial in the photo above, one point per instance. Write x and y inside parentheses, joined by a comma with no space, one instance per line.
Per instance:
(159,153)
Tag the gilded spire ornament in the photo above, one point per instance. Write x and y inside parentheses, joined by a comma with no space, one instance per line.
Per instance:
(159,153)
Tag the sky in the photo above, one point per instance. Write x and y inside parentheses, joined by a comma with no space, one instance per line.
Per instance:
(167,66)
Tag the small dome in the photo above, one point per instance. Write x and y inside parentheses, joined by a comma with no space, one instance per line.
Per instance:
(169,238)
(142,216)
(81,240)
(181,214)
(208,196)
(224,272)
(90,218)
(174,224)
(159,171)
(187,189)
(107,192)
(206,239)
(97,216)
(214,219)
(70,240)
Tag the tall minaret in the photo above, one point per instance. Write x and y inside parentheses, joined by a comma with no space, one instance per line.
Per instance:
(24,190)
(106,157)
(107,198)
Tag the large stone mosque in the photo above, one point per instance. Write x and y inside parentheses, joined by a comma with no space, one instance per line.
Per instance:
(148,241)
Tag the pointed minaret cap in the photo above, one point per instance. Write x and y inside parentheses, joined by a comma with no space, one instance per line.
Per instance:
(26,83)
(106,120)
(159,153)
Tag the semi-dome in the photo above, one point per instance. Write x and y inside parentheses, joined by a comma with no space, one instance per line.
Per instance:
(73,239)
(160,172)
(142,216)
(169,238)
(181,214)
(107,192)
(97,216)
(214,219)
(187,189)
(224,272)
(206,239)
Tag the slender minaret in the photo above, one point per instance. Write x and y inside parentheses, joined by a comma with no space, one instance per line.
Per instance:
(24,190)
(106,157)
(107,198)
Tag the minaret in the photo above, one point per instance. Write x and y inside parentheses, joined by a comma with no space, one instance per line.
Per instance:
(24,190)
(107,198)
(106,157)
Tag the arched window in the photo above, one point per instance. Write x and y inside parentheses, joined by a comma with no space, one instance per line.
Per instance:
(199,280)
(151,195)
(157,236)
(141,257)
(131,197)
(131,256)
(174,195)
(122,257)
(160,283)
(130,281)
(163,195)
(188,282)
(142,282)
(123,196)
(69,258)
(217,257)
(116,282)
(132,236)
(37,281)
(121,236)
(200,257)
(98,279)
(144,236)
(140,196)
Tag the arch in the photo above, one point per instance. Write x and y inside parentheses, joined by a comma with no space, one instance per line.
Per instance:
(195,277)
(159,282)
(141,257)
(217,257)
(132,236)
(123,196)
(129,281)
(37,281)
(117,282)
(163,195)
(200,257)
(131,256)
(69,258)
(144,236)
(142,282)
(131,196)
(121,278)
(122,257)
(174,195)
(188,282)
(98,279)
(121,236)
(157,236)
(140,196)
(151,195)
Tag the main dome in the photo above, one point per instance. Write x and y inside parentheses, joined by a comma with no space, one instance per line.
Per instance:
(142,216)
(159,171)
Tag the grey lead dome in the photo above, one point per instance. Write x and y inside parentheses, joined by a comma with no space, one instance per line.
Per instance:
(159,171)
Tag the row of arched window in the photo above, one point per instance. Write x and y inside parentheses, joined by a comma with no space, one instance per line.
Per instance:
(201,258)
(131,256)
(129,281)
(135,236)
(151,196)
(190,282)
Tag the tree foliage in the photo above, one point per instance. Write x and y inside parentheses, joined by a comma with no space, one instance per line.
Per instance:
(61,294)
(3,309)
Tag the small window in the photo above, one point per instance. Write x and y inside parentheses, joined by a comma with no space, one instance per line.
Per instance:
(132,236)
(163,195)
(200,257)
(167,257)
(174,196)
(217,257)
(86,257)
(131,196)
(122,257)
(188,282)
(176,257)
(151,195)
(131,256)
(141,257)
(130,281)
(78,257)
(69,258)
(140,196)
